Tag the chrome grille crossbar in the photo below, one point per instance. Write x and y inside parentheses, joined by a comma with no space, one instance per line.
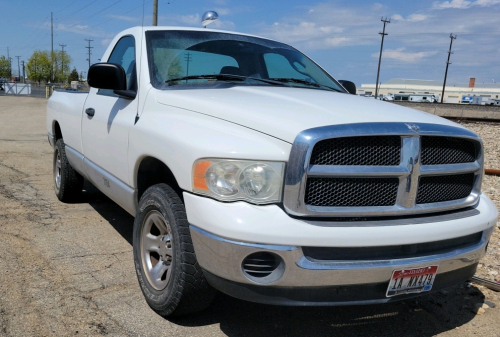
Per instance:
(408,171)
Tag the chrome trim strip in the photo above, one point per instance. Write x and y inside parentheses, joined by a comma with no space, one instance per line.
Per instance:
(449,169)
(243,244)
(75,159)
(343,265)
(408,171)
(51,139)
(321,171)
(397,222)
(115,189)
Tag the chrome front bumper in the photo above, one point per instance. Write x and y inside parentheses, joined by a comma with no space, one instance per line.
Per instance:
(223,258)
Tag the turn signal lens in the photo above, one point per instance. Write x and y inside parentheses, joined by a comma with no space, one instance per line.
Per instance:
(199,175)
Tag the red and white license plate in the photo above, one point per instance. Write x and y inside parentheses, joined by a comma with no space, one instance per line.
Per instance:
(414,280)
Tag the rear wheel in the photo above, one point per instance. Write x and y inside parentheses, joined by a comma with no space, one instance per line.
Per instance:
(68,183)
(169,275)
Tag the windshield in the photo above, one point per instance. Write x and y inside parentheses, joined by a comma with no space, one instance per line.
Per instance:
(178,59)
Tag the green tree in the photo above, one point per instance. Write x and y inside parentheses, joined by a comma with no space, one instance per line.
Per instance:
(62,62)
(4,67)
(38,67)
(73,76)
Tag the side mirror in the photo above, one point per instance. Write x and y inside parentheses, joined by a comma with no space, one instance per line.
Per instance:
(107,76)
(349,86)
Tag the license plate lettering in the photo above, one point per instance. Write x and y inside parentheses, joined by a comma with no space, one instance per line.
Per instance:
(414,280)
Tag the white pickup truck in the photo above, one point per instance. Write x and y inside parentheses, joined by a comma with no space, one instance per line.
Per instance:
(250,170)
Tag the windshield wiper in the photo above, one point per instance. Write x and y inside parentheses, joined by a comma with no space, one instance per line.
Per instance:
(223,77)
(305,82)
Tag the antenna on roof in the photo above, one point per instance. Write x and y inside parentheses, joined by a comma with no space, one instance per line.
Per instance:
(208,18)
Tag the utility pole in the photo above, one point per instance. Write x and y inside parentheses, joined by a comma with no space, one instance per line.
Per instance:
(385,21)
(35,77)
(447,64)
(188,59)
(52,46)
(89,48)
(62,61)
(10,63)
(24,73)
(18,67)
(155,13)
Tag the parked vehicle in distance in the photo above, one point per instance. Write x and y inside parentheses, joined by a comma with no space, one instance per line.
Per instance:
(481,100)
(252,171)
(428,98)
(467,99)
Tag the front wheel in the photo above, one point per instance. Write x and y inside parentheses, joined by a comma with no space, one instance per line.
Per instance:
(165,262)
(68,183)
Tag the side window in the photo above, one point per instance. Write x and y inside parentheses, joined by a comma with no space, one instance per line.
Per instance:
(124,55)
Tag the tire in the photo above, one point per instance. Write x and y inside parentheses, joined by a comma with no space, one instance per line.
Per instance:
(165,262)
(68,183)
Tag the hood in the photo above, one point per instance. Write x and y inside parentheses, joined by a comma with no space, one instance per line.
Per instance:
(284,112)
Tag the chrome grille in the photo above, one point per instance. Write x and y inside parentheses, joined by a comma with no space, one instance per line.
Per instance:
(444,188)
(375,150)
(447,150)
(351,192)
(433,172)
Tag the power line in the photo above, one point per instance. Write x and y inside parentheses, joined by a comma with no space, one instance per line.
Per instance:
(93,15)
(447,63)
(89,48)
(68,16)
(66,6)
(385,21)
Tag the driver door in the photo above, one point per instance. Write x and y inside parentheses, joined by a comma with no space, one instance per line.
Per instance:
(106,123)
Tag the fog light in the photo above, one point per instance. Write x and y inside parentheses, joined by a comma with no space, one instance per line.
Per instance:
(263,267)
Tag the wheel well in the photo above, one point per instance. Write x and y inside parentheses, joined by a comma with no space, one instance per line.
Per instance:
(57,131)
(151,172)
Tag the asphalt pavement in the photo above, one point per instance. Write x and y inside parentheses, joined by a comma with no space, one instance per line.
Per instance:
(67,269)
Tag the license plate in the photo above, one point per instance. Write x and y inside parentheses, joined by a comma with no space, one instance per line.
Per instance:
(414,280)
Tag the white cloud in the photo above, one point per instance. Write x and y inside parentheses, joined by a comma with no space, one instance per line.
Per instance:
(408,57)
(416,17)
(411,18)
(126,18)
(464,4)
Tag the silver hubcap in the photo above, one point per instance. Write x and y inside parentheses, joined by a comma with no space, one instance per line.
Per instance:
(57,170)
(157,250)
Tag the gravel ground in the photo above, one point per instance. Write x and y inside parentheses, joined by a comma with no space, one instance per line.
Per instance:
(489,267)
(66,269)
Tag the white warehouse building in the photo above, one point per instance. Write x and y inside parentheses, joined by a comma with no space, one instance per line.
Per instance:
(454,93)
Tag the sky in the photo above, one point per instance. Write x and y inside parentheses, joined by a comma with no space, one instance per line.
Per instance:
(342,36)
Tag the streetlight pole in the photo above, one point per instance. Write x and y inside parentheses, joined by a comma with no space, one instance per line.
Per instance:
(447,64)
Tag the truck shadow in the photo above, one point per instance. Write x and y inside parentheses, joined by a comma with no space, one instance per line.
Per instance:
(428,315)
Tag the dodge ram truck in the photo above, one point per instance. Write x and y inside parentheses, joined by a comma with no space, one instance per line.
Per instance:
(250,170)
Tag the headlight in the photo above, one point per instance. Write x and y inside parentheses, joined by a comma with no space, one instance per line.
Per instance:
(259,182)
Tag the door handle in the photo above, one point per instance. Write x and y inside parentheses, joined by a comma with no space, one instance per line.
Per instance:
(90,112)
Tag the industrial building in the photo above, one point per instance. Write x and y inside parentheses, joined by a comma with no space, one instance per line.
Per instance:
(454,93)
